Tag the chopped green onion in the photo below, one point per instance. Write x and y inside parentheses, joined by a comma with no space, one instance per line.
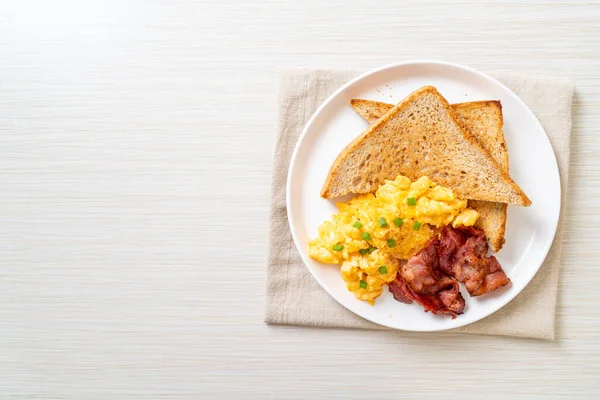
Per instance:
(338,247)
(382,222)
(368,250)
(411,201)
(366,236)
(363,284)
(391,243)
(417,225)
(383,269)
(398,221)
(357,225)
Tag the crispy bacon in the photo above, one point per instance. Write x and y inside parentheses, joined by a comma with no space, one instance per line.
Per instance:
(448,301)
(402,292)
(420,280)
(458,253)
(450,241)
(495,279)
(463,256)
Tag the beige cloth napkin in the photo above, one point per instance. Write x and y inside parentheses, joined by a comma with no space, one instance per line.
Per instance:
(294,297)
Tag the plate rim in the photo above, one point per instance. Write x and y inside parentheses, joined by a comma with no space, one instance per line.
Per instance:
(364,75)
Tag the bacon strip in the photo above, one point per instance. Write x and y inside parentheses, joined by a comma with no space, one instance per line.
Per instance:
(458,253)
(463,256)
(420,280)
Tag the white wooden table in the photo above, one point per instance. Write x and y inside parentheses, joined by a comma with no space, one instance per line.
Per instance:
(135,142)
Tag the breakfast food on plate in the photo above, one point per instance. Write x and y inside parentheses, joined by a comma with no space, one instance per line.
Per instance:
(421,136)
(463,256)
(365,276)
(421,281)
(377,230)
(433,189)
(458,253)
(483,120)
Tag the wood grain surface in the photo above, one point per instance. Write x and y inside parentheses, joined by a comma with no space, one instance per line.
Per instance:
(136,141)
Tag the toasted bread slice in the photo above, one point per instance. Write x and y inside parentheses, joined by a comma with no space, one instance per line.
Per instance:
(483,119)
(421,135)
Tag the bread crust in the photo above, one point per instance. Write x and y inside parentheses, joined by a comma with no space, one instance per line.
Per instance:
(516,195)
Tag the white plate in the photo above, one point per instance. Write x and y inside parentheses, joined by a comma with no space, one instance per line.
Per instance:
(529,230)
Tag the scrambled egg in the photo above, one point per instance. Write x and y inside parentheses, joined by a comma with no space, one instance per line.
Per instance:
(396,222)
(365,276)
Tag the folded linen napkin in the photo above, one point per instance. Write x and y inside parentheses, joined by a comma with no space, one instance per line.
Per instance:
(295,298)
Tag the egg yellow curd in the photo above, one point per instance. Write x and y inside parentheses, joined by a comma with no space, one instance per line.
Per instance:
(372,232)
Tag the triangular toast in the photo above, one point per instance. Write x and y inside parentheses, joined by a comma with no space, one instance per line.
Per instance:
(421,135)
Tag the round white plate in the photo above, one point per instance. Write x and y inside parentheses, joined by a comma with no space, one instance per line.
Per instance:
(529,230)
